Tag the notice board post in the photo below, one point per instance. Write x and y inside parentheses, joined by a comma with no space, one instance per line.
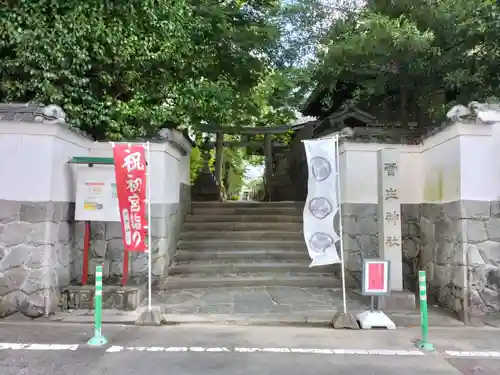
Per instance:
(96,198)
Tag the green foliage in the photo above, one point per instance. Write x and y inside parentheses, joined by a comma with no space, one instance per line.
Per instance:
(303,24)
(105,63)
(235,161)
(234,171)
(256,187)
(254,184)
(255,160)
(418,49)
(196,163)
(126,69)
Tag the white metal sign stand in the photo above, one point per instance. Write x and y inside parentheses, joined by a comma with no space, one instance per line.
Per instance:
(375,284)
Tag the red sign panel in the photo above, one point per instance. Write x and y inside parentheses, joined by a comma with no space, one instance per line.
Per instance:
(376,277)
(130,172)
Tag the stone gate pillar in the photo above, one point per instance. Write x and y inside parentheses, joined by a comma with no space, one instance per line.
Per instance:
(389,215)
(389,222)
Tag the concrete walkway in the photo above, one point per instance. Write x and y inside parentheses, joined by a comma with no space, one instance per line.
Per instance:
(275,305)
(258,306)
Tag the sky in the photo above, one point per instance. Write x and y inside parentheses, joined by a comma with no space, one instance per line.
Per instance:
(252,172)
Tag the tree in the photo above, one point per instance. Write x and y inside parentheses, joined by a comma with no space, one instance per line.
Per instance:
(126,69)
(303,24)
(256,188)
(420,49)
(234,171)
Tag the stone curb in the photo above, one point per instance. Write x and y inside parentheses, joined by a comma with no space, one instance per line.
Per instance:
(177,319)
(131,318)
(402,319)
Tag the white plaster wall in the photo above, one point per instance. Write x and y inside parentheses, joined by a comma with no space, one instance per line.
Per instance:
(441,167)
(490,160)
(411,172)
(460,162)
(171,176)
(360,172)
(361,176)
(184,160)
(185,169)
(34,160)
(165,175)
(25,162)
(64,147)
(477,167)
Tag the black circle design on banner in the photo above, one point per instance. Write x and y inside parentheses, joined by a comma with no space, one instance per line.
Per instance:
(320,241)
(320,168)
(320,207)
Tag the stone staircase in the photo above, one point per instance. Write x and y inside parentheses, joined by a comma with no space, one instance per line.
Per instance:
(245,244)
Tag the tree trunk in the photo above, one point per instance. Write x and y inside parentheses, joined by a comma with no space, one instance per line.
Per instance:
(403,97)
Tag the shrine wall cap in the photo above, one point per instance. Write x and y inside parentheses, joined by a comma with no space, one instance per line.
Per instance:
(32,112)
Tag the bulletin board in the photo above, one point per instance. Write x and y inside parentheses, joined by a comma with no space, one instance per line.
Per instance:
(96,198)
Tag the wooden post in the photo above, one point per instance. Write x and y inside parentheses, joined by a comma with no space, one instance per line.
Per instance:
(268,155)
(86,250)
(218,158)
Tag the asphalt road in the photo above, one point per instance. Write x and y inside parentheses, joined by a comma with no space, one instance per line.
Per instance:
(228,350)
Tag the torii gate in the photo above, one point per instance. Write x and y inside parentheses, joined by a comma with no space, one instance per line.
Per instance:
(245,132)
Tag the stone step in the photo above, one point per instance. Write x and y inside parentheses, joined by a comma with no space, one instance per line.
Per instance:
(243,235)
(219,244)
(238,267)
(204,218)
(233,210)
(238,226)
(187,255)
(247,204)
(249,280)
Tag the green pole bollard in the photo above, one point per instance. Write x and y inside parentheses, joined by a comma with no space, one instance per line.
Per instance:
(98,339)
(424,318)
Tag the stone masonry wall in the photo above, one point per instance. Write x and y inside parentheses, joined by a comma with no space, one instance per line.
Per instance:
(360,232)
(35,255)
(482,224)
(410,231)
(458,245)
(107,245)
(442,246)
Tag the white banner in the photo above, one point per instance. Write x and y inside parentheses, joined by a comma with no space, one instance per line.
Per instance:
(321,203)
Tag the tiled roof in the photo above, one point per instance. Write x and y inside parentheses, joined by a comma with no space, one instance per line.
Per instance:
(31,112)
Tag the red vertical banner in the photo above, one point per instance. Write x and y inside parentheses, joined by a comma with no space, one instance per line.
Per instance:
(130,173)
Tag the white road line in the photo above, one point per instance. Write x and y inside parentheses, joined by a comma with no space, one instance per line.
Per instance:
(453,353)
(221,349)
(19,346)
(198,349)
